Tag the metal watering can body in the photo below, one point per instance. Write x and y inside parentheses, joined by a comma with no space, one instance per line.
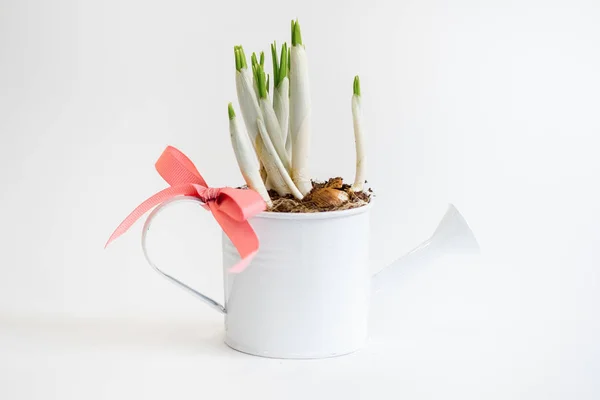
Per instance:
(307,293)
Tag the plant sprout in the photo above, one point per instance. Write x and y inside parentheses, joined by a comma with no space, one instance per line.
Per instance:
(251,112)
(244,153)
(300,110)
(361,156)
(269,116)
(243,78)
(274,152)
(281,93)
(278,165)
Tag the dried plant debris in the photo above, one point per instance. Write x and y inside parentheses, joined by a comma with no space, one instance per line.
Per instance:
(333,195)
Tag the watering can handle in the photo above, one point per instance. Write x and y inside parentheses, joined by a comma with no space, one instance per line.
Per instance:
(212,303)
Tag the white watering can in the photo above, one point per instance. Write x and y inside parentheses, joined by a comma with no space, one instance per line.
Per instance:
(308,291)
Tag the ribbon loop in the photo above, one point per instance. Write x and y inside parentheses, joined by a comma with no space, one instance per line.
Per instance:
(230,207)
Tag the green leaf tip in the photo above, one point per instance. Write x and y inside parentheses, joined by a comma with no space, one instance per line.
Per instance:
(243,57)
(260,79)
(262,59)
(280,63)
(296,33)
(284,67)
(230,111)
(240,58)
(275,64)
(237,59)
(356,85)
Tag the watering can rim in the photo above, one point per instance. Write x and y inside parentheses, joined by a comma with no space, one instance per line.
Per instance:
(316,215)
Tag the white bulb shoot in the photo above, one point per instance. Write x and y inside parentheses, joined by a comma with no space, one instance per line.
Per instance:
(281,93)
(272,126)
(246,158)
(274,130)
(359,138)
(274,163)
(300,111)
(281,104)
(268,113)
(246,96)
(251,112)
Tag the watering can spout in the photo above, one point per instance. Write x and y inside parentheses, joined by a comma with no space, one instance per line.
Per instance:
(452,236)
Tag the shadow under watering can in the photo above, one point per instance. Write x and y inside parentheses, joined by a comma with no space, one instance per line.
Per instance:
(308,291)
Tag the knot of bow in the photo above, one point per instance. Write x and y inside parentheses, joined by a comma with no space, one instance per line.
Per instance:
(230,207)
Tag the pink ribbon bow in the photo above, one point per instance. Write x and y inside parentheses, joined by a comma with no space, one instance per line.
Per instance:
(231,207)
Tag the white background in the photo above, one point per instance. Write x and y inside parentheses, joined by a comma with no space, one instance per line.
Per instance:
(491,105)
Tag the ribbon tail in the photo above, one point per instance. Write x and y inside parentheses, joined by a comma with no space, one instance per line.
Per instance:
(241,235)
(148,204)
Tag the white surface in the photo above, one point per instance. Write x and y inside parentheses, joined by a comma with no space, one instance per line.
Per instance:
(490,105)
(446,338)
